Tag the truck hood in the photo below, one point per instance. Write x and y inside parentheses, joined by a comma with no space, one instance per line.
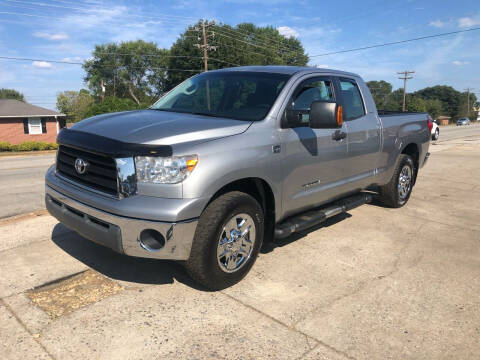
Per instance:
(160,127)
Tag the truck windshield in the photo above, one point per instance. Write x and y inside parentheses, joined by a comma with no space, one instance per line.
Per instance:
(234,94)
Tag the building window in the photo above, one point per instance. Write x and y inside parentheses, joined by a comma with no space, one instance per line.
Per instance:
(34,126)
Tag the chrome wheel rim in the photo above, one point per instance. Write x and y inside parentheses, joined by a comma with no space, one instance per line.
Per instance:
(404,182)
(236,243)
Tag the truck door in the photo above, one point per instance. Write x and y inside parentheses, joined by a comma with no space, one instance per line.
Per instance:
(363,139)
(315,159)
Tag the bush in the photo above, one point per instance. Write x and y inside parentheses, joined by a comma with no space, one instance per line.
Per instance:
(28,146)
(5,146)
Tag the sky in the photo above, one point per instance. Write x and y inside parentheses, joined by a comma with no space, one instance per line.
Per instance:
(68,30)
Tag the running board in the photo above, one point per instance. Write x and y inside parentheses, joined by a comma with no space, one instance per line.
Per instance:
(314,217)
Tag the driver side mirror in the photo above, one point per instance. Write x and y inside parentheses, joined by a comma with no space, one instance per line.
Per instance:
(325,115)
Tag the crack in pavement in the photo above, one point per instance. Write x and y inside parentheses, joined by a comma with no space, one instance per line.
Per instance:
(36,339)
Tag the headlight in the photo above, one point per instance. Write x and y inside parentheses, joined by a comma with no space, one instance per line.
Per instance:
(164,170)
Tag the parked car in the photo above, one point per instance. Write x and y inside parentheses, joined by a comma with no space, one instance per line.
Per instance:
(463,121)
(229,158)
(435,130)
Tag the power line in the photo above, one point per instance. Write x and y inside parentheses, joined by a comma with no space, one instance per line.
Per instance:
(266,40)
(79,63)
(397,42)
(97,7)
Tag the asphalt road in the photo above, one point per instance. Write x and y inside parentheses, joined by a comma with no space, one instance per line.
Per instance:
(375,283)
(22,186)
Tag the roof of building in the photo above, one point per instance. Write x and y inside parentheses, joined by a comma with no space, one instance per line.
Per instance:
(14,108)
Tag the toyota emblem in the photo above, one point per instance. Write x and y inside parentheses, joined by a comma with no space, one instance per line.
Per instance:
(80,166)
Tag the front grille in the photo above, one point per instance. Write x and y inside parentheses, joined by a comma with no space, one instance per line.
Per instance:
(101,173)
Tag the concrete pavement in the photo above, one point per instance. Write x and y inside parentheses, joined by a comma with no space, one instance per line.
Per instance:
(376,283)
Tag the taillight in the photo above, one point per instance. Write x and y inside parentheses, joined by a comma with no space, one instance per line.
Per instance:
(429,124)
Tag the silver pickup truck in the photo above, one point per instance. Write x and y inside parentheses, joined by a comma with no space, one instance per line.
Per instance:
(228,159)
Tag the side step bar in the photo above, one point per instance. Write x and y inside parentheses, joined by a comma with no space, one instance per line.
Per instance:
(314,217)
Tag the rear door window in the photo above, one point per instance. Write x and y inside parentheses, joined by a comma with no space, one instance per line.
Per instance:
(352,100)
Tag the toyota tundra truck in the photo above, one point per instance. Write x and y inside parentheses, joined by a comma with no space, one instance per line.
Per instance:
(230,158)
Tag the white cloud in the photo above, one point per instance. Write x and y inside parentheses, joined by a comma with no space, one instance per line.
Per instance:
(466,22)
(42,64)
(437,23)
(50,36)
(72,59)
(460,63)
(287,31)
(321,65)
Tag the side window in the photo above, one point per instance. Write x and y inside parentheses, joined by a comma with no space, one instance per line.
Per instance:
(309,92)
(306,93)
(352,100)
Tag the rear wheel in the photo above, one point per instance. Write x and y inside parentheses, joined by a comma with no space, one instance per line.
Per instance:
(396,193)
(227,241)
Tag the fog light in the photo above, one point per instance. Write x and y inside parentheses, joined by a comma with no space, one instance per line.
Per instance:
(151,240)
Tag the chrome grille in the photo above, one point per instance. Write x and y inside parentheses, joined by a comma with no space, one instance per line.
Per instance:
(101,173)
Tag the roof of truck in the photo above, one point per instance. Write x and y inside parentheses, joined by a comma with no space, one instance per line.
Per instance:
(282,69)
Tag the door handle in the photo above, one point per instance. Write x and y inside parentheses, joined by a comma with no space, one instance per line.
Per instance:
(339,135)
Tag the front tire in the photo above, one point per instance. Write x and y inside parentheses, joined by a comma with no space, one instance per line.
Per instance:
(436,135)
(227,241)
(396,193)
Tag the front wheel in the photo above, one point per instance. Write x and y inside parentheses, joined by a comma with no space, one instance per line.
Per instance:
(436,134)
(396,193)
(227,241)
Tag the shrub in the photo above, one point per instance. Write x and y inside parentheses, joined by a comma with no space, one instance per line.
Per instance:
(5,146)
(28,146)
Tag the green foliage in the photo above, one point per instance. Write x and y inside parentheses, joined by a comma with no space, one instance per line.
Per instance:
(132,69)
(74,104)
(233,47)
(5,146)
(437,100)
(381,91)
(28,146)
(11,94)
(112,104)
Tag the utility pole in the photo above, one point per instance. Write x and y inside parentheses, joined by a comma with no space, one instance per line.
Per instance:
(405,77)
(468,99)
(204,46)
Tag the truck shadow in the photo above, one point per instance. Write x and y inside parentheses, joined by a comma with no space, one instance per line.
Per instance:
(117,266)
(271,245)
(148,271)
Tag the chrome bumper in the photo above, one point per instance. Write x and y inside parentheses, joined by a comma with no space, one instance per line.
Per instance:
(118,232)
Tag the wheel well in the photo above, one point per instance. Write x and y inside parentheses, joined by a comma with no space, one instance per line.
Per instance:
(412,150)
(261,191)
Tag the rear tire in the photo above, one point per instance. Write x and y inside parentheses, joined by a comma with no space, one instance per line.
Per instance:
(221,256)
(396,193)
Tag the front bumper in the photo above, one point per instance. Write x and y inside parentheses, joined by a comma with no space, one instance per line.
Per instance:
(120,233)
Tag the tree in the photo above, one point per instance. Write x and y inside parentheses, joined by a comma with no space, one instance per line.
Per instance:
(449,97)
(11,94)
(243,44)
(74,104)
(134,69)
(111,104)
(381,91)
(415,104)
(434,108)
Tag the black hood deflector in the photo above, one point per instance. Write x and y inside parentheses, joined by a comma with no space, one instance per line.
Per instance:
(110,147)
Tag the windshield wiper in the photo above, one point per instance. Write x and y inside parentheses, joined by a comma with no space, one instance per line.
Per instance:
(205,114)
